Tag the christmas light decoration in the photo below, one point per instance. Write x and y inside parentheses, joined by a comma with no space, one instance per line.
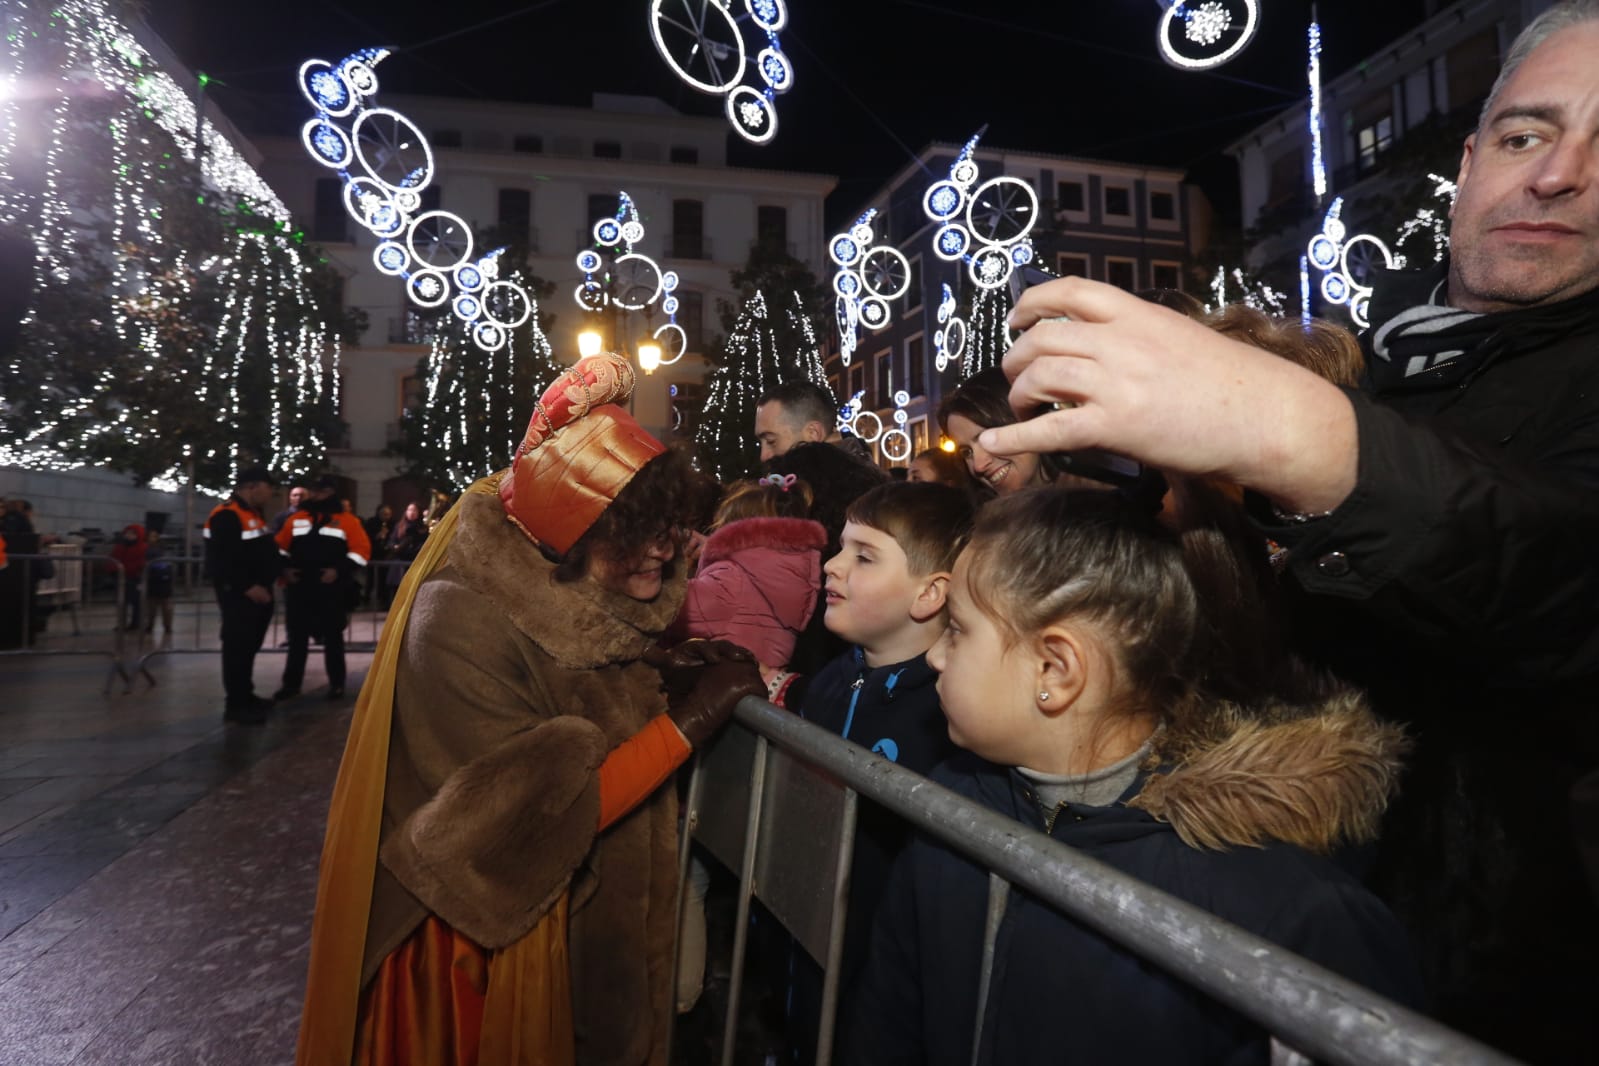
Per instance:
(1318,164)
(703,42)
(755,363)
(1431,221)
(1256,294)
(615,275)
(870,276)
(949,341)
(1348,264)
(990,335)
(986,228)
(1206,33)
(176,320)
(432,250)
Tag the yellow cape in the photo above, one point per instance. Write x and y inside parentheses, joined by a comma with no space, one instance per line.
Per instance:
(527,1015)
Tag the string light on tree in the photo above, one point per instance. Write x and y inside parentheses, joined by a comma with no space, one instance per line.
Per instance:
(703,43)
(755,363)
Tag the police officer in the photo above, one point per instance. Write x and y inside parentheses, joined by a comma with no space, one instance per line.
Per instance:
(243,564)
(324,547)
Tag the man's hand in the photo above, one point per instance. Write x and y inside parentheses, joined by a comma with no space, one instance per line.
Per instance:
(258,594)
(329,576)
(707,705)
(1150,384)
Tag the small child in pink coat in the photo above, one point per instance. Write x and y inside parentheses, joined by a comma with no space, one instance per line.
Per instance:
(759,576)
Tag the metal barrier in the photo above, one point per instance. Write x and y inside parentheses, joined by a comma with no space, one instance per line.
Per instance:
(34,586)
(774,797)
(199,620)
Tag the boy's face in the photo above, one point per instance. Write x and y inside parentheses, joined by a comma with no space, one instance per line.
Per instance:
(984,685)
(870,589)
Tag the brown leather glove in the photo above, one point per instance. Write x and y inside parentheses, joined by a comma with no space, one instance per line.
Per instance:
(680,666)
(708,703)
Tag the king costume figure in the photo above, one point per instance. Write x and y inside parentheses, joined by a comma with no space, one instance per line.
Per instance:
(499,876)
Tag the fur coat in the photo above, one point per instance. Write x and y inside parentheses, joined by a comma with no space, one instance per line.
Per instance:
(1243,822)
(757,586)
(510,691)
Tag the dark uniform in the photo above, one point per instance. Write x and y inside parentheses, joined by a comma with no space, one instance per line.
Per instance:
(320,537)
(240,555)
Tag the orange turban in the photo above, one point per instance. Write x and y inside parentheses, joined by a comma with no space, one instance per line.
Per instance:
(580,449)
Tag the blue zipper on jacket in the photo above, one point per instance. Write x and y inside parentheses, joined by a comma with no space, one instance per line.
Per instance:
(860,683)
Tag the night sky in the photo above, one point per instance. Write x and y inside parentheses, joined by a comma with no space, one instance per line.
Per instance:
(875,80)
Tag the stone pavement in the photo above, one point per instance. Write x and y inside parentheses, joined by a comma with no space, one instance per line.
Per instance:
(157,867)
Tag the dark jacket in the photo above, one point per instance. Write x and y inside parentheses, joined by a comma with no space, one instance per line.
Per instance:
(894,711)
(239,551)
(1459,583)
(1062,993)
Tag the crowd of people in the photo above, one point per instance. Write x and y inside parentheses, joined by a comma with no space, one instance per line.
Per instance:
(1301,629)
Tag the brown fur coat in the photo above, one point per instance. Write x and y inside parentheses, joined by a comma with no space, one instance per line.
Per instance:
(510,692)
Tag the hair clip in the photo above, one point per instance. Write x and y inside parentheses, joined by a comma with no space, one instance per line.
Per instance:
(782,481)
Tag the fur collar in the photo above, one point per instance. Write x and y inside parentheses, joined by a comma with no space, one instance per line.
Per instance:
(780,534)
(579,624)
(1317,777)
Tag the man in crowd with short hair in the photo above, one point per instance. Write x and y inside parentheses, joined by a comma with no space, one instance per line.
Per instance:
(801,412)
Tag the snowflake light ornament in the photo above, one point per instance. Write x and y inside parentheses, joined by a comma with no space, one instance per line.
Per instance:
(431,251)
(870,276)
(1197,36)
(703,42)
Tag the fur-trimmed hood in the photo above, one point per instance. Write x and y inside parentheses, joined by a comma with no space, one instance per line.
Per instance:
(580,624)
(778,534)
(1318,777)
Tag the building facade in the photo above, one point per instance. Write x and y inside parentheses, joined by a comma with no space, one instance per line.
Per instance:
(542,176)
(1132,226)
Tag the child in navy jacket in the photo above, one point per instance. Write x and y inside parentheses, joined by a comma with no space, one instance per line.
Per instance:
(885,595)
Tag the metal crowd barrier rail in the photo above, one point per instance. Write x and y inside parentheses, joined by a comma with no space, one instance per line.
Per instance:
(198,620)
(775,798)
(35,586)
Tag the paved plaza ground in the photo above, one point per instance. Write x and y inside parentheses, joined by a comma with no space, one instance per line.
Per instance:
(157,866)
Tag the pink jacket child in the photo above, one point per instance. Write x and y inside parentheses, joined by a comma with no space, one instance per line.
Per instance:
(757,587)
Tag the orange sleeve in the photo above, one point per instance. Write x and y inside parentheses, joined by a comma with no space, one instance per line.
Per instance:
(285,536)
(637,766)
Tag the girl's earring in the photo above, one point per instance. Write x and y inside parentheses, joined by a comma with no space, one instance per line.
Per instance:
(1043,697)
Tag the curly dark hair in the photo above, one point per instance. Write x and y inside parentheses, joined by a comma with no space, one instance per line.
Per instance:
(667,497)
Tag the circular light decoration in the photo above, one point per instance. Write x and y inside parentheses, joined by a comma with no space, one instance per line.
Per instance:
(488,336)
(869,276)
(943,200)
(637,282)
(769,15)
(877,426)
(1349,263)
(701,42)
(1002,211)
(896,444)
(434,257)
(440,239)
(588,261)
(901,398)
(843,250)
(669,281)
(885,272)
(326,88)
(669,305)
(954,341)
(391,258)
(327,144)
(952,242)
(673,342)
(392,150)
(989,268)
(590,296)
(428,287)
(608,232)
(752,114)
(1199,34)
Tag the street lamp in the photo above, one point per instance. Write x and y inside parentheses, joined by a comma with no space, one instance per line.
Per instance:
(589,343)
(649,357)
